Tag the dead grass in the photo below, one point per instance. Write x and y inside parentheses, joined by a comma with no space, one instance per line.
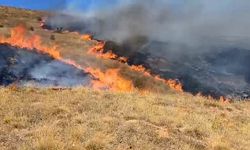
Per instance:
(72,47)
(75,119)
(47,119)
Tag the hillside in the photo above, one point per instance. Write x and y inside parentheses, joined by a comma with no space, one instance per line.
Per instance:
(86,119)
(145,114)
(69,47)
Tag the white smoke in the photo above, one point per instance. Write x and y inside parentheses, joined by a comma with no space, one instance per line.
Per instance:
(184,21)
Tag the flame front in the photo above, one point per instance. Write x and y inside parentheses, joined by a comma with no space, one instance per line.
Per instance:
(86,37)
(98,51)
(17,38)
(110,79)
(173,84)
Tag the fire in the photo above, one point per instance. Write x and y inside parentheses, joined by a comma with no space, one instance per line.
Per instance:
(86,37)
(98,50)
(171,83)
(123,59)
(174,84)
(18,38)
(141,69)
(224,100)
(110,80)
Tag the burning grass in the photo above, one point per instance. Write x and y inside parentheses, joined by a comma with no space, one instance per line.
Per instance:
(80,51)
(98,51)
(110,79)
(86,119)
(19,39)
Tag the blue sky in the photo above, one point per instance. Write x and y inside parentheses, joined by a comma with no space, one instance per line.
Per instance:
(57,4)
(212,5)
(33,4)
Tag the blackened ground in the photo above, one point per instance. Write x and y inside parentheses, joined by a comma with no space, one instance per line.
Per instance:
(215,71)
(29,68)
(221,71)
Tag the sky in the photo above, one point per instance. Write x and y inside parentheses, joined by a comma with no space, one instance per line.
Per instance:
(33,4)
(57,4)
(91,4)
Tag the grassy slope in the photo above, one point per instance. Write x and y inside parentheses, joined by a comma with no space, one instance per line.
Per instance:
(86,119)
(72,47)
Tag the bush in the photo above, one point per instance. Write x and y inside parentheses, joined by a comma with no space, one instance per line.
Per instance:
(52,37)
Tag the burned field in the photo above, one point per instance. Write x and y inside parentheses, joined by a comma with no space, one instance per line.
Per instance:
(217,70)
(221,69)
(72,49)
(141,93)
(23,67)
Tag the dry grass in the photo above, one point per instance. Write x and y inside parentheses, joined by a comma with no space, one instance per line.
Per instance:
(46,119)
(72,47)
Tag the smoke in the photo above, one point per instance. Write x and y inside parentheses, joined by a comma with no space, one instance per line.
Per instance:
(56,73)
(203,43)
(26,68)
(191,22)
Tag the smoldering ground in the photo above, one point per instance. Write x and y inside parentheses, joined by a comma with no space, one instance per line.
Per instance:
(204,44)
(26,68)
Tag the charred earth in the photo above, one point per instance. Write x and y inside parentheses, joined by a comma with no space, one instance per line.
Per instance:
(217,70)
(23,67)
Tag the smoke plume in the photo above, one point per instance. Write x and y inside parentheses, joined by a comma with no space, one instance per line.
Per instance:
(203,43)
(183,21)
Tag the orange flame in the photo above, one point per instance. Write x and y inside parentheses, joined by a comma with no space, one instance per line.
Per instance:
(106,80)
(141,69)
(98,50)
(18,38)
(123,59)
(110,80)
(86,37)
(173,84)
(224,100)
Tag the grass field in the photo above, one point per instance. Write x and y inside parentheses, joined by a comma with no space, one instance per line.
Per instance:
(48,119)
(79,118)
